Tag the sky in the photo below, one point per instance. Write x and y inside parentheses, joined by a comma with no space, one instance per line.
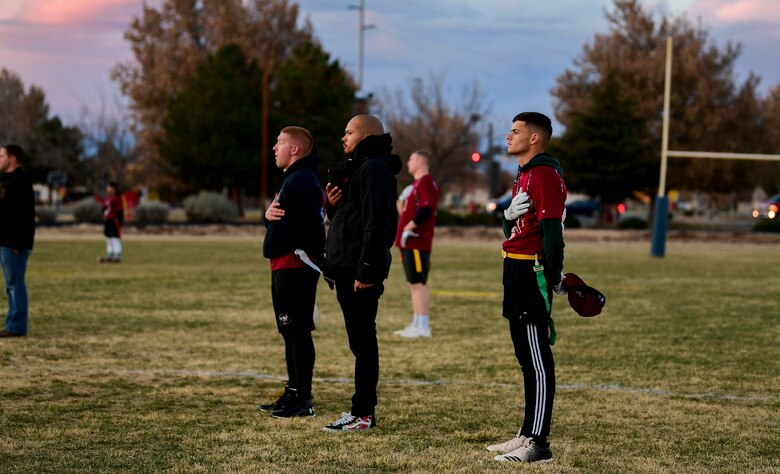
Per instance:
(512,49)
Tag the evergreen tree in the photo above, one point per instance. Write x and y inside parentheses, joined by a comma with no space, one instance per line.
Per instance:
(211,136)
(604,150)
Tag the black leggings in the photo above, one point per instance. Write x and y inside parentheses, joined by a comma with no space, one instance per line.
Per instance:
(299,354)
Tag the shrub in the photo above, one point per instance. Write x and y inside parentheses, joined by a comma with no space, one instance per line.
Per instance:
(154,212)
(632,223)
(46,215)
(88,210)
(209,207)
(768,225)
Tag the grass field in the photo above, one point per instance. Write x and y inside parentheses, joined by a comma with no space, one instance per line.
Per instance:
(157,364)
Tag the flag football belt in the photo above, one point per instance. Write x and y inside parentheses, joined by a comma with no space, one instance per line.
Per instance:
(520,256)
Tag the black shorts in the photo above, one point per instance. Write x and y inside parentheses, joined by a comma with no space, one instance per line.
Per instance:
(417,263)
(294,291)
(522,298)
(111,228)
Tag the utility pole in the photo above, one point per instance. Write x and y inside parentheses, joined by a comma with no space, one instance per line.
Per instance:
(362,27)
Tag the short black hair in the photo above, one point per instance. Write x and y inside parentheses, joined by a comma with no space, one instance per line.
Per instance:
(538,120)
(114,185)
(15,151)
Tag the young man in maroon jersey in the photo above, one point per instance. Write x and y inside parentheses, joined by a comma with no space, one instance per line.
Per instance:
(533,260)
(113,218)
(415,239)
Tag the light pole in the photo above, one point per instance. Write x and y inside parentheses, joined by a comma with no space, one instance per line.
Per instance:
(362,27)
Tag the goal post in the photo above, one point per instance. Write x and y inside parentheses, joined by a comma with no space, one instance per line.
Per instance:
(661,213)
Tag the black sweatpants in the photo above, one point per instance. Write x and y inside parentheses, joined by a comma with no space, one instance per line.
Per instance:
(533,352)
(360,308)
(528,317)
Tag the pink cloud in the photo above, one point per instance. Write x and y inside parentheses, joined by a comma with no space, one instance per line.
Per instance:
(736,11)
(72,12)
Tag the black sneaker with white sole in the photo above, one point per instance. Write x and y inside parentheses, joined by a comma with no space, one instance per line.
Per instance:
(287,398)
(298,408)
(351,423)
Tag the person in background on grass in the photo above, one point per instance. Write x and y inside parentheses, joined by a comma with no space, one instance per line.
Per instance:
(113,218)
(415,239)
(363,219)
(17,233)
(533,261)
(295,244)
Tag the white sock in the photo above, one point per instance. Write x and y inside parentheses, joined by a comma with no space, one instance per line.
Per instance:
(415,320)
(423,321)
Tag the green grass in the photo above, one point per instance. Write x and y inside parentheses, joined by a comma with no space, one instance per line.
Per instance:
(157,364)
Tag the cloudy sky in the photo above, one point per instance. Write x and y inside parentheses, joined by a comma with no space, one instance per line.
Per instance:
(514,49)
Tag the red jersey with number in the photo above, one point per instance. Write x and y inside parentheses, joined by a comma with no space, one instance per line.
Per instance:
(547,195)
(425,193)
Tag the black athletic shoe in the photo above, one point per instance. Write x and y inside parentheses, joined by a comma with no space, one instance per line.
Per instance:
(351,423)
(299,408)
(286,399)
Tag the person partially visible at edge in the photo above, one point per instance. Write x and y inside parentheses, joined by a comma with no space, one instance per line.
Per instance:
(113,219)
(17,233)
(295,244)
(533,261)
(361,207)
(415,239)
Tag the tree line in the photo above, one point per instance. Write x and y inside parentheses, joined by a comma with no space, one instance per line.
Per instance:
(210,83)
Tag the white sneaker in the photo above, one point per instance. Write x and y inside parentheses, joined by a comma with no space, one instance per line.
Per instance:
(508,446)
(416,332)
(404,330)
(530,452)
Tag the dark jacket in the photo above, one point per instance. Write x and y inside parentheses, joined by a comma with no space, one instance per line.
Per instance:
(363,223)
(17,210)
(303,224)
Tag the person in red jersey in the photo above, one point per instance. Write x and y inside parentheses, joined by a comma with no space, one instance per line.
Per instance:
(415,239)
(113,218)
(533,260)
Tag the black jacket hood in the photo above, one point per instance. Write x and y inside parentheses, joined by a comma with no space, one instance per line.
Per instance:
(543,159)
(311,162)
(376,147)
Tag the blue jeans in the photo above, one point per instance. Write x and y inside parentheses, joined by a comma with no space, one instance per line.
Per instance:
(14,266)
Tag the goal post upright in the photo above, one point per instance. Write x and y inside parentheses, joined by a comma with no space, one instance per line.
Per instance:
(661,213)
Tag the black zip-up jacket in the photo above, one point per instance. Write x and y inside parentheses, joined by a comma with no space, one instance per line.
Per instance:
(364,221)
(303,224)
(17,210)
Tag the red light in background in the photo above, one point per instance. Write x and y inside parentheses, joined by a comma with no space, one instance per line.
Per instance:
(621,208)
(475,157)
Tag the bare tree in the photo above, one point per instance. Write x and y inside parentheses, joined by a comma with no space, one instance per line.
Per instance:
(170,42)
(110,146)
(427,116)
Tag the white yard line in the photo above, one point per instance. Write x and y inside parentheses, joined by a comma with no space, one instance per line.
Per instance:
(397,382)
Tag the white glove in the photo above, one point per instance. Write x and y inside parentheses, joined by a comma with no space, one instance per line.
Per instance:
(560,288)
(405,193)
(406,234)
(517,207)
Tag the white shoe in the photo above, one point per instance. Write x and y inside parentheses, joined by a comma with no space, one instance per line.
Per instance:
(404,330)
(530,452)
(508,446)
(416,332)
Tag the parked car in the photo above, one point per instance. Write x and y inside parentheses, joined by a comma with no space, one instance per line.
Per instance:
(768,209)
